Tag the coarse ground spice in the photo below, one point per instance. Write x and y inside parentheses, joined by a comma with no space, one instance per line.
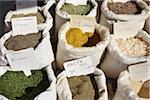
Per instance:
(81,88)
(133,46)
(124,8)
(20,42)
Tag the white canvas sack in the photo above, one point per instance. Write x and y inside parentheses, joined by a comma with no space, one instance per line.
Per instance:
(67,52)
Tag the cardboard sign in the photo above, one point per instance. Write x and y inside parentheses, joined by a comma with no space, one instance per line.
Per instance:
(85,23)
(77,2)
(79,67)
(126,29)
(140,72)
(24,25)
(26,6)
(23,60)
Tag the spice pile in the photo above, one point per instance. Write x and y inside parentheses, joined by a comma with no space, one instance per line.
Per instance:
(81,88)
(77,10)
(23,41)
(16,86)
(124,8)
(40,17)
(133,46)
(77,38)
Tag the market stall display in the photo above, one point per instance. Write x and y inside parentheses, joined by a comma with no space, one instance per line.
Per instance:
(75,50)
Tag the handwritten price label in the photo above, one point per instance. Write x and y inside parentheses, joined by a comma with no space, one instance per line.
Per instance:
(24,25)
(79,67)
(86,24)
(77,2)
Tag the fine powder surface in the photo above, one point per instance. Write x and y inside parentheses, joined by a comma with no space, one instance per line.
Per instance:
(77,38)
(124,8)
(40,17)
(133,46)
(17,86)
(20,42)
(77,10)
(81,88)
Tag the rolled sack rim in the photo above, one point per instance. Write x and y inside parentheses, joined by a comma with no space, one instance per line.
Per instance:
(44,10)
(98,74)
(51,78)
(117,54)
(4,50)
(125,17)
(125,87)
(65,15)
(99,46)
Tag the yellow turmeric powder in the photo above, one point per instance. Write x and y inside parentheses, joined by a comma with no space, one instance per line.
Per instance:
(76,37)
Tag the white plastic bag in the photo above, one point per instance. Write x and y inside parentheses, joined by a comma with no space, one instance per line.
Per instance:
(108,18)
(67,52)
(62,17)
(115,61)
(43,51)
(64,92)
(48,18)
(125,89)
(49,94)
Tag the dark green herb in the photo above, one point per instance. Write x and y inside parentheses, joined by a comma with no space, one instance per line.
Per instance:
(16,86)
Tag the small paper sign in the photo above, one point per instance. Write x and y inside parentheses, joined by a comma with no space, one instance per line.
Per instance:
(24,25)
(23,60)
(26,6)
(126,29)
(140,72)
(77,2)
(85,23)
(79,67)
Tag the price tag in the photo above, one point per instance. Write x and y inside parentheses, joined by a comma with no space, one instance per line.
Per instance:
(126,29)
(79,67)
(77,2)
(26,6)
(23,60)
(24,25)
(85,23)
(140,72)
